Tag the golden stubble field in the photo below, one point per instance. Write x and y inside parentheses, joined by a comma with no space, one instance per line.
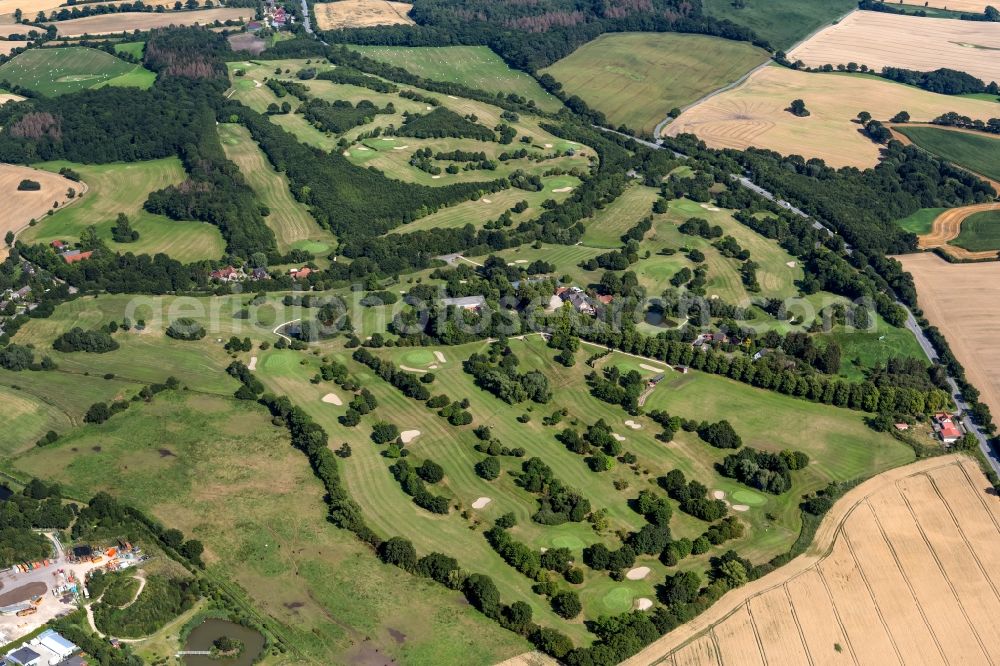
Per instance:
(905,569)
(882,40)
(754,114)
(361,14)
(112,23)
(963,300)
(19,208)
(975,6)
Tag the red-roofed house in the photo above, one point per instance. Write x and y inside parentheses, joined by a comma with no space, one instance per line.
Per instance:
(58,244)
(74,256)
(225,274)
(946,427)
(300,273)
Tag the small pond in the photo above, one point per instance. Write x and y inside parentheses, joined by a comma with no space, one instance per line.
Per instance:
(209,630)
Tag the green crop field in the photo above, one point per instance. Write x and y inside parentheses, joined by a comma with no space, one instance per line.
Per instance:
(226,474)
(66,70)
(291,222)
(636,78)
(976,152)
(783,23)
(106,197)
(920,222)
(473,66)
(980,232)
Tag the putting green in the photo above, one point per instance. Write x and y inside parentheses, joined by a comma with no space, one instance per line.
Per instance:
(618,600)
(568,541)
(418,357)
(313,247)
(748,497)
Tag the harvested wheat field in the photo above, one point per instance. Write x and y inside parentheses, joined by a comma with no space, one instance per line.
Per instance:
(882,40)
(754,114)
(127,22)
(361,14)
(7,47)
(948,226)
(904,569)
(21,207)
(977,6)
(8,29)
(963,300)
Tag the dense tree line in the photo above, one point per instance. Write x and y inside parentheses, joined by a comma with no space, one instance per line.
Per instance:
(348,75)
(406,382)
(37,506)
(412,484)
(692,496)
(943,81)
(557,503)
(496,372)
(443,122)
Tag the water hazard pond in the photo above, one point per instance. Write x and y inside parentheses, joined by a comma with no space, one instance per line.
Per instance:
(202,636)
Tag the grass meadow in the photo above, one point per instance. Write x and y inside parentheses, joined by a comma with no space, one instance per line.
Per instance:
(976,152)
(920,222)
(980,232)
(781,22)
(636,78)
(106,197)
(474,66)
(65,70)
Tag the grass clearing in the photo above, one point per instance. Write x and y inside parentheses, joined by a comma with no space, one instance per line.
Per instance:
(65,70)
(183,240)
(290,220)
(474,66)
(27,418)
(976,152)
(782,22)
(980,232)
(920,222)
(636,78)
(132,48)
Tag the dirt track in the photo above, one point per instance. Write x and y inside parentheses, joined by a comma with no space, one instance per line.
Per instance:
(901,569)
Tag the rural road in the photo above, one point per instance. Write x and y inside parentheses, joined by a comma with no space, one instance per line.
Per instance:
(911,323)
(306,23)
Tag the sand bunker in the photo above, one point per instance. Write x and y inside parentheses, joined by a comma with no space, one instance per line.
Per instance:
(637,573)
(252,365)
(362,148)
(632,424)
(791,264)
(452,97)
(719,494)
(651,368)
(408,436)
(642,603)
(560,190)
(409,369)
(520,261)
(548,145)
(257,84)
(481,502)
(440,357)
(332,399)
(618,437)
(740,507)
(487,201)
(400,147)
(709,207)
(435,177)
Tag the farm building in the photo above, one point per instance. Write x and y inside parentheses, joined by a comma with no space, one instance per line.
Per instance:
(576,298)
(471,303)
(300,273)
(946,428)
(226,274)
(73,256)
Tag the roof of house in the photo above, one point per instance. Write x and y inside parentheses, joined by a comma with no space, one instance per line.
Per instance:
(949,430)
(56,642)
(76,255)
(57,243)
(24,655)
(296,273)
(465,301)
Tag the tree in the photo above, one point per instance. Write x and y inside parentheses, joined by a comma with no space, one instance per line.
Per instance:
(430,471)
(483,594)
(734,573)
(901,117)
(864,117)
(123,232)
(383,432)
(681,588)
(98,413)
(798,108)
(9,239)
(173,538)
(488,468)
(567,604)
(398,551)
(192,550)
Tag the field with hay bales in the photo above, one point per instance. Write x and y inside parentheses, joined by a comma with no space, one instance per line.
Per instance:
(903,565)
(755,114)
(106,24)
(106,198)
(65,70)
(474,66)
(361,14)
(882,40)
(636,78)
